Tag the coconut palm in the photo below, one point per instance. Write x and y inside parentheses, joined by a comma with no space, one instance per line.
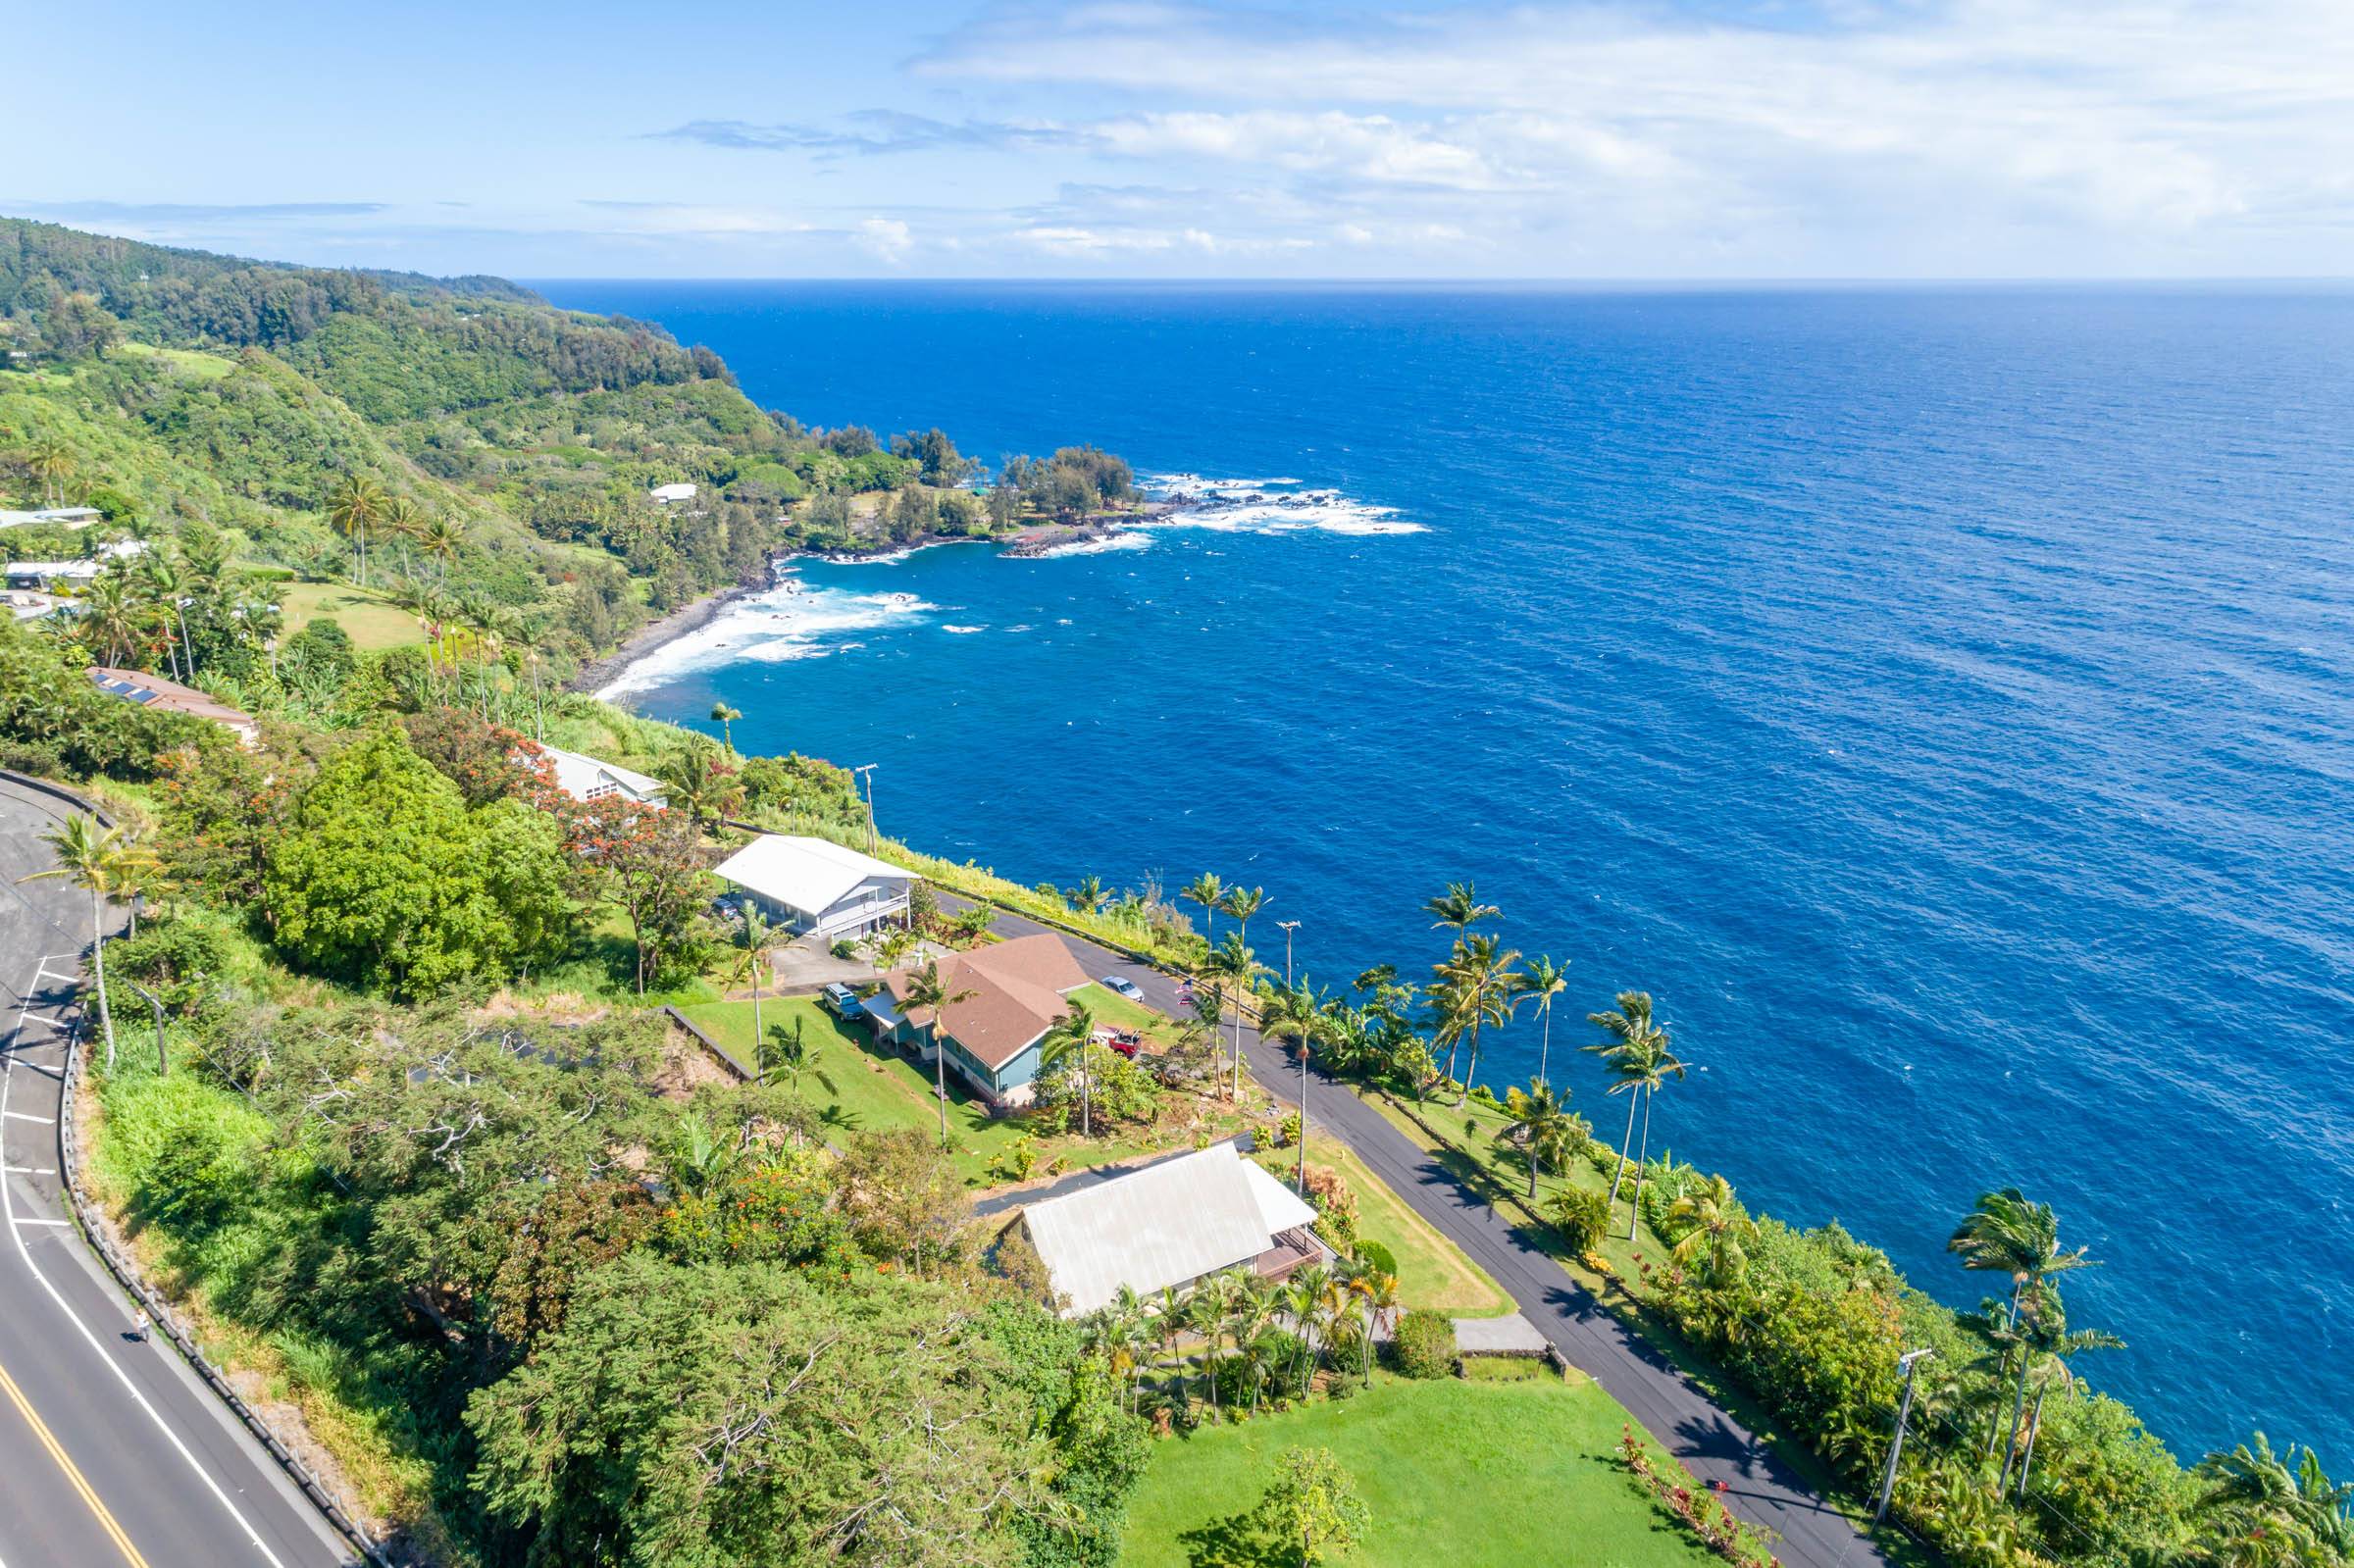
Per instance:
(1068,1041)
(107,863)
(2006,1232)
(1297,1013)
(1544,1125)
(751,946)
(1473,989)
(1541,980)
(1379,1293)
(792,1052)
(1712,1228)
(2054,1372)
(52,462)
(1088,898)
(1634,1043)
(404,519)
(440,538)
(112,617)
(928,991)
(701,783)
(166,587)
(1206,890)
(724,716)
(353,508)
(2273,1504)
(1460,909)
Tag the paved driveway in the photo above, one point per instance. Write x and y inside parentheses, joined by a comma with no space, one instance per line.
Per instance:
(1673,1409)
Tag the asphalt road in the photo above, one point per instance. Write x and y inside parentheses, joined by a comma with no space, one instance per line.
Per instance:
(1676,1412)
(112,1450)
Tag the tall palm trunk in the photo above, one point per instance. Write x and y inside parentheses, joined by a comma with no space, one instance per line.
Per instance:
(940,1076)
(1634,1221)
(2034,1426)
(1473,1070)
(1625,1144)
(2019,1404)
(1545,1050)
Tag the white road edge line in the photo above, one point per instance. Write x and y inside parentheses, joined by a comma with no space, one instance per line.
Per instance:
(28,1219)
(26,1116)
(8,1209)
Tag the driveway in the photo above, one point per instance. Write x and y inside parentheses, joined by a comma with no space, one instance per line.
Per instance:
(1678,1413)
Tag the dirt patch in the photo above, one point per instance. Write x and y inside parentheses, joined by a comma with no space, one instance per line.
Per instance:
(685,1066)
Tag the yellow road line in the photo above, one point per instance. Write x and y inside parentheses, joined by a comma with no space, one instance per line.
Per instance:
(40,1430)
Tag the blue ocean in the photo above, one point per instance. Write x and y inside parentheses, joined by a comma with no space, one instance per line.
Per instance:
(1941,700)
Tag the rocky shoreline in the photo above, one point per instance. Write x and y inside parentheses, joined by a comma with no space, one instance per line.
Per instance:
(598,673)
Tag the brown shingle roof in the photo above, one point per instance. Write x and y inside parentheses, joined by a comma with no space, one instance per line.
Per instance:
(1017,991)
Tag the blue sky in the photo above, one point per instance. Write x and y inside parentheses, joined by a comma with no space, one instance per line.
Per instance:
(1734,140)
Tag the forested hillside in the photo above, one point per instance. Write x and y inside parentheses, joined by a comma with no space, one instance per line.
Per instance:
(450,437)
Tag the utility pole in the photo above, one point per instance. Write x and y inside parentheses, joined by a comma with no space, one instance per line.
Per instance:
(867,772)
(1910,1365)
(163,1067)
(1289,926)
(1303,1178)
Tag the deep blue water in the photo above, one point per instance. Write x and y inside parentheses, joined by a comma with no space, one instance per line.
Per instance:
(1939,699)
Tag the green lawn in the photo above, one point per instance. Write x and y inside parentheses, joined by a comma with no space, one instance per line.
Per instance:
(375,623)
(872,1088)
(1110,1007)
(1469,1475)
(1432,1271)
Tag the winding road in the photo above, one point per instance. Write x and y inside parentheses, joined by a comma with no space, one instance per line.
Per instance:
(1677,1412)
(112,1450)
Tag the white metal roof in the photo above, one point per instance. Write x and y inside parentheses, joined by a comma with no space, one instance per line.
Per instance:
(807,874)
(680,491)
(582,777)
(1166,1223)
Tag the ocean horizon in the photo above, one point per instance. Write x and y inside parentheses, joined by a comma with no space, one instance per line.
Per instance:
(1936,695)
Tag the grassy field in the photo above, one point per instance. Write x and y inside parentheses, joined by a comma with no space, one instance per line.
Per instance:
(872,1088)
(1432,1271)
(1471,1475)
(374,623)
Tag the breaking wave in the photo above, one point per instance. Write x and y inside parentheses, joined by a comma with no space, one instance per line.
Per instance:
(787,622)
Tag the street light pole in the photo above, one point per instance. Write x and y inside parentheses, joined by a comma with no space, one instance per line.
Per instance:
(1910,1365)
(867,772)
(1289,926)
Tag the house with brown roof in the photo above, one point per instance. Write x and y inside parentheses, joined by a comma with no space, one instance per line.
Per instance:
(992,1037)
(169,697)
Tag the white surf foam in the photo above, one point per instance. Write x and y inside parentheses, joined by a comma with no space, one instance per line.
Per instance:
(1271,506)
(792,620)
(1125,539)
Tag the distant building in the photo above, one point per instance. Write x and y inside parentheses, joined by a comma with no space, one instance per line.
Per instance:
(71,515)
(169,697)
(1170,1225)
(665,495)
(29,606)
(993,1037)
(39,574)
(813,886)
(588,779)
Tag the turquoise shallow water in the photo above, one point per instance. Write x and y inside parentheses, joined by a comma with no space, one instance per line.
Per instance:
(1939,698)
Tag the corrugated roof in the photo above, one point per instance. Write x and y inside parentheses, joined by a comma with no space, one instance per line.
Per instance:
(577,774)
(809,873)
(1164,1225)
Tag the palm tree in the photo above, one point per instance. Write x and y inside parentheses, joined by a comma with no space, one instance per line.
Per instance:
(1379,1293)
(1206,890)
(1633,1052)
(1712,1227)
(1088,896)
(701,783)
(162,582)
(792,1052)
(51,461)
(1297,1013)
(752,948)
(442,538)
(404,519)
(1068,1041)
(354,507)
(2048,1334)
(111,617)
(928,991)
(1237,969)
(1459,907)
(2006,1232)
(1543,1122)
(1241,903)
(724,716)
(2273,1503)
(1544,980)
(1474,989)
(106,862)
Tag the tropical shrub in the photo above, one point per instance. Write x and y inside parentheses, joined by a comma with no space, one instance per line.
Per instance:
(1424,1344)
(1376,1258)
(1583,1214)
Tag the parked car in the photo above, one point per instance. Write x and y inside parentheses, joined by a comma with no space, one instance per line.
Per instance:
(1127,1041)
(842,1001)
(1126,987)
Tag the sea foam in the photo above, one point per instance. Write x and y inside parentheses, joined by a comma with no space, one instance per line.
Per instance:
(1270,506)
(785,623)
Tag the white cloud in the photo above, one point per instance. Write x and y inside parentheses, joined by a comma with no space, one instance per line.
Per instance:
(887,240)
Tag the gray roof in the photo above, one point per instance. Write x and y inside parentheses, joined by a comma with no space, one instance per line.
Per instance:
(1167,1224)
